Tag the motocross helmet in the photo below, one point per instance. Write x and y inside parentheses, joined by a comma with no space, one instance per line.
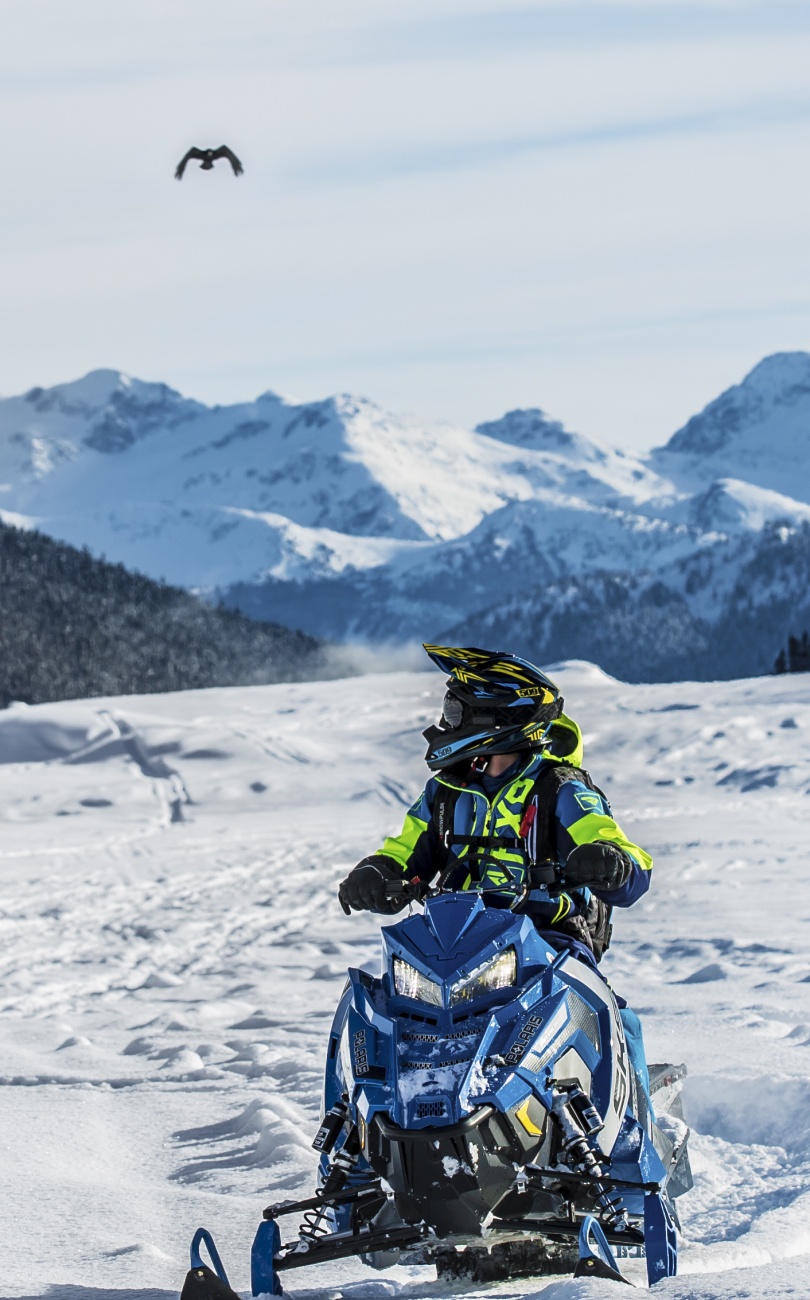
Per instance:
(495,704)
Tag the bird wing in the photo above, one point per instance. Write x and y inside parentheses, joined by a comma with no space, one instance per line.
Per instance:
(193,152)
(224,152)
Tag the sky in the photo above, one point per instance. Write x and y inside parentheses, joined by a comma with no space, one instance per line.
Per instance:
(453,207)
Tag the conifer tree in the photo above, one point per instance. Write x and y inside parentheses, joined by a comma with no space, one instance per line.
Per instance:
(73,626)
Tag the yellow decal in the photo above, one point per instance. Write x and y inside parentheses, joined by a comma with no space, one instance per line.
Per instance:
(534,731)
(511,670)
(536,692)
(466,675)
(522,1113)
(498,877)
(458,652)
(450,652)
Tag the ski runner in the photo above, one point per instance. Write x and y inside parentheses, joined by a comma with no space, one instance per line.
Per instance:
(509,792)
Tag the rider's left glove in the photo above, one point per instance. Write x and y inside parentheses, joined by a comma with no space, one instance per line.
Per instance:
(599,866)
(364,889)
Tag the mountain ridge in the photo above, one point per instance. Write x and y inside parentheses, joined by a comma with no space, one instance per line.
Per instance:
(350,522)
(756,430)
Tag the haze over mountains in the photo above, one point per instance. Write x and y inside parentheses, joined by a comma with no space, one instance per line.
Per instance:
(348,522)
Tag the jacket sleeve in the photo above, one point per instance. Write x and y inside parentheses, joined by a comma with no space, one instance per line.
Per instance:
(415,849)
(583,817)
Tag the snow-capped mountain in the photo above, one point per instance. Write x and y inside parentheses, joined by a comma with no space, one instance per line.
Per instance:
(430,585)
(344,520)
(731,506)
(208,496)
(757,431)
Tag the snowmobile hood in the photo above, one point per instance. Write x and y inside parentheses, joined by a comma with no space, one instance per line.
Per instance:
(452,930)
(451,917)
(564,741)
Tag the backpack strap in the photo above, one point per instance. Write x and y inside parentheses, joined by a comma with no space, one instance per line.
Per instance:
(594,929)
(442,818)
(443,812)
(537,832)
(542,836)
(537,825)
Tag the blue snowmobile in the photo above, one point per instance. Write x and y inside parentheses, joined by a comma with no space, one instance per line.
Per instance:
(480,1113)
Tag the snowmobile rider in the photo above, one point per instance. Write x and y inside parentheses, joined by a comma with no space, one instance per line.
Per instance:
(509,796)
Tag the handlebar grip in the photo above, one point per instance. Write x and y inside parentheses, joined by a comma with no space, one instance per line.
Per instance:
(412,891)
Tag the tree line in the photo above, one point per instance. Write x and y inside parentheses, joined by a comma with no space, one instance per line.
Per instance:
(73,626)
(796,658)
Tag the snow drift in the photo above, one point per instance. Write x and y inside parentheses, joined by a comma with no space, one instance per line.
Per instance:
(168,984)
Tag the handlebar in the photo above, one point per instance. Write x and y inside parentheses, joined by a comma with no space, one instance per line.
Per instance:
(409,891)
(543,876)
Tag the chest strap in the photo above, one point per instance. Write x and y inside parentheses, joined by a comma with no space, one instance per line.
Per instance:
(478,844)
(479,841)
(537,828)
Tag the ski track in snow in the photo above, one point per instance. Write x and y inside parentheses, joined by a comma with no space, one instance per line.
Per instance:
(171,950)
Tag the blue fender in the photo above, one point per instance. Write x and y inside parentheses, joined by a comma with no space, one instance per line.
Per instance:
(660,1239)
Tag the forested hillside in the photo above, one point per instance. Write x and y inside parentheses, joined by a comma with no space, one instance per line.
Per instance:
(366,528)
(73,626)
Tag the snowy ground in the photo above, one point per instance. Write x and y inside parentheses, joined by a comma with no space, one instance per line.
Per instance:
(172,950)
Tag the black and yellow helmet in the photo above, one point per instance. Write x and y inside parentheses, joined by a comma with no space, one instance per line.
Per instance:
(496,703)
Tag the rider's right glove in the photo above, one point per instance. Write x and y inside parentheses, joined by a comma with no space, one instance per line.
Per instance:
(364,889)
(599,865)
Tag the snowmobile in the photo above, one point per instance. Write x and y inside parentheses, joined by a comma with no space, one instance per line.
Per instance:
(480,1113)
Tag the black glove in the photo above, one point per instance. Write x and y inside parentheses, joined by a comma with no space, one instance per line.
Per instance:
(364,887)
(599,866)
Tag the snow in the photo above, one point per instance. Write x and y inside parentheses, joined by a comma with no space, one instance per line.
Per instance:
(212,496)
(168,983)
(351,522)
(733,506)
(756,431)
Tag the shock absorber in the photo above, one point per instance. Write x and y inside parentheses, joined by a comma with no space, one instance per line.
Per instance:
(331,1124)
(579,1121)
(342,1164)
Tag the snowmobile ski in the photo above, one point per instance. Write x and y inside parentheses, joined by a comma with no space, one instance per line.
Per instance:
(202,1282)
(596,1259)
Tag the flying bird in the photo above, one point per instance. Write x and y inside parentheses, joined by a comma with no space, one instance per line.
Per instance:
(209,157)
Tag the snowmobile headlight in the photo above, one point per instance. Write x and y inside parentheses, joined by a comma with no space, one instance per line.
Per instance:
(499,973)
(411,983)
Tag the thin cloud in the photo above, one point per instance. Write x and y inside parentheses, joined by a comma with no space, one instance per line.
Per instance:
(580,26)
(422,158)
(557,338)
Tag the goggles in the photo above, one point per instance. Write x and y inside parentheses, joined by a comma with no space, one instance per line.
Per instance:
(452,711)
(458,713)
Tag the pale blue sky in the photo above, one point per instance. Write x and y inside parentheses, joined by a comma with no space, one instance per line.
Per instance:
(453,207)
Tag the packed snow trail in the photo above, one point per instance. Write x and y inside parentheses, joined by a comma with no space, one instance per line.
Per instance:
(167,984)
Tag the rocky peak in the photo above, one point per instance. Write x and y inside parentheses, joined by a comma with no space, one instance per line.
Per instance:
(532,429)
(776,384)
